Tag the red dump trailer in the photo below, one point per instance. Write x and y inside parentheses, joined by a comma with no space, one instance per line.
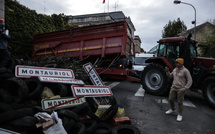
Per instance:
(111,43)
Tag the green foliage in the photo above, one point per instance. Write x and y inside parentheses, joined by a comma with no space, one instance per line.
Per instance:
(142,50)
(173,28)
(24,23)
(208,44)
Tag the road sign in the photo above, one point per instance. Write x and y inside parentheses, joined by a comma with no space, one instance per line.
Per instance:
(31,71)
(59,103)
(93,74)
(61,80)
(91,91)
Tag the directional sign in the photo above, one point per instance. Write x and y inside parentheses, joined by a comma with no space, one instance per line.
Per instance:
(51,104)
(93,74)
(91,91)
(31,71)
(61,80)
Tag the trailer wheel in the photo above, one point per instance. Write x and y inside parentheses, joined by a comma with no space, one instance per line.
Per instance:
(209,91)
(154,80)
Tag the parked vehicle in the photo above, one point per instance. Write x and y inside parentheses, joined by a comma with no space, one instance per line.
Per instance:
(139,61)
(202,69)
(107,46)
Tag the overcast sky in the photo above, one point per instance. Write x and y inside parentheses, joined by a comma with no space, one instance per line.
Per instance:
(148,16)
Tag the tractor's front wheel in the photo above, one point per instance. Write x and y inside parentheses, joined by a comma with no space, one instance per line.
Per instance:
(154,80)
(209,90)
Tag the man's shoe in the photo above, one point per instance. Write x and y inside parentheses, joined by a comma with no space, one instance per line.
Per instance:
(170,111)
(179,118)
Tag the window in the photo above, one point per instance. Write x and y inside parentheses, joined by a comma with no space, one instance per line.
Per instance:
(162,50)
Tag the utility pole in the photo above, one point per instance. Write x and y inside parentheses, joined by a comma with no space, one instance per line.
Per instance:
(2,9)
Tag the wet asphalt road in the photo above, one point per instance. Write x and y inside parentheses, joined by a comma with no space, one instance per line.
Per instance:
(147,112)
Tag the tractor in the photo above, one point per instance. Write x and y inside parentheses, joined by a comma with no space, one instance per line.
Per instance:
(154,79)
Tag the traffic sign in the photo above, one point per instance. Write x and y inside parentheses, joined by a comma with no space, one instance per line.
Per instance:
(59,103)
(31,71)
(91,91)
(61,80)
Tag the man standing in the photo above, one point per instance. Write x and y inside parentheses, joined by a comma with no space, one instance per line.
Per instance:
(4,55)
(182,81)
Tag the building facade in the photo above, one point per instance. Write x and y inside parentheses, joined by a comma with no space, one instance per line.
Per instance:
(137,44)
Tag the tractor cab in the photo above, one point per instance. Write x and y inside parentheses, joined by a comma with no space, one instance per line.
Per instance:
(175,47)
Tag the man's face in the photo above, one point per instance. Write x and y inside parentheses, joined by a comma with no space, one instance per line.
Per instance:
(178,65)
(1,22)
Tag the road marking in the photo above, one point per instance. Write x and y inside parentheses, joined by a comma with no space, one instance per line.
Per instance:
(185,103)
(140,92)
(112,85)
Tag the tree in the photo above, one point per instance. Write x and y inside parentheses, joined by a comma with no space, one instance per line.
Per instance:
(142,50)
(24,23)
(173,28)
(207,43)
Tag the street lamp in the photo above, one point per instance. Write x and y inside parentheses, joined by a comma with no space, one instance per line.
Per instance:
(193,22)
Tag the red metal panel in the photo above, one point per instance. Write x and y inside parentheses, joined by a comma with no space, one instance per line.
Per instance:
(100,40)
(63,35)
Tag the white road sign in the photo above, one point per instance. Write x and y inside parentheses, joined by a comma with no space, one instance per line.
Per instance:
(93,74)
(50,104)
(31,71)
(61,80)
(91,91)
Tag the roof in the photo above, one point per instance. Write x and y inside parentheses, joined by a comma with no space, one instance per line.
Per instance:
(114,15)
(183,33)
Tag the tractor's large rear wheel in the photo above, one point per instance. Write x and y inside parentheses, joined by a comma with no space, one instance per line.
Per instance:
(209,90)
(154,80)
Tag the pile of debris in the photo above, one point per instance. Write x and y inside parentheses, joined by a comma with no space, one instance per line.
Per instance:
(32,102)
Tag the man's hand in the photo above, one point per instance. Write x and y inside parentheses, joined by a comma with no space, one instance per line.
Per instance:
(166,69)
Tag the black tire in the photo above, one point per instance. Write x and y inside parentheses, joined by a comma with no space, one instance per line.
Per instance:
(68,113)
(78,128)
(6,97)
(109,113)
(106,116)
(18,88)
(209,91)
(79,108)
(26,121)
(35,87)
(37,109)
(103,128)
(6,73)
(59,89)
(125,129)
(92,115)
(11,65)
(90,125)
(68,127)
(5,108)
(154,80)
(15,114)
(92,103)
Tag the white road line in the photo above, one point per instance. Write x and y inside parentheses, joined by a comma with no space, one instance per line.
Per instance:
(186,102)
(112,85)
(140,92)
